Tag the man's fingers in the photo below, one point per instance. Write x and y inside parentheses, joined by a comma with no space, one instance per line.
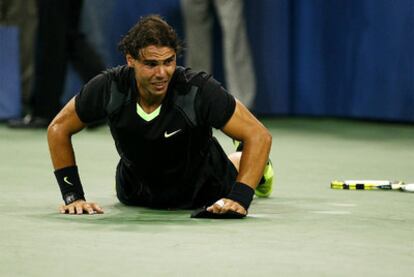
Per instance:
(79,209)
(239,209)
(219,207)
(225,208)
(236,207)
(214,208)
(97,208)
(88,208)
(224,205)
(62,209)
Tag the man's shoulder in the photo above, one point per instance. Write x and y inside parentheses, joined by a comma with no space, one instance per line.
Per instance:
(187,77)
(119,76)
(119,73)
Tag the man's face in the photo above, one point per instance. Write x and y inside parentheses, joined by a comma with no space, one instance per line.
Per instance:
(153,70)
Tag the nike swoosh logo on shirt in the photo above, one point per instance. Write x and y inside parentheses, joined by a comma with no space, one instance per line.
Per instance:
(167,135)
(65,179)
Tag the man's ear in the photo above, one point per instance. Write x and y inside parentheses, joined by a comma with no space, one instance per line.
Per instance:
(130,60)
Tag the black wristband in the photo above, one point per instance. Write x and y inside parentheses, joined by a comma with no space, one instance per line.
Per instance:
(241,193)
(69,184)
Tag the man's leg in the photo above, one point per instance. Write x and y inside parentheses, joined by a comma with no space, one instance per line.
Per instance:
(198,25)
(217,177)
(238,65)
(50,67)
(85,59)
(22,13)
(222,170)
(235,159)
(129,191)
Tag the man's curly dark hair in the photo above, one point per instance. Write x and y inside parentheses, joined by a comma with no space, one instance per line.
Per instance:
(150,30)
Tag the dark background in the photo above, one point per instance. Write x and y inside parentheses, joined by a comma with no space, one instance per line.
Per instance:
(343,58)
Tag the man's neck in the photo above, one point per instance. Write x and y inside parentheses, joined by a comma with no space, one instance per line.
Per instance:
(148,107)
(149,103)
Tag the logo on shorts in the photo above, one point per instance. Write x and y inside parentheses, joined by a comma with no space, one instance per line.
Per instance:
(65,179)
(167,135)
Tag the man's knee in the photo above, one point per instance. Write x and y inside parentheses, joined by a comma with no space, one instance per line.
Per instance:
(235,159)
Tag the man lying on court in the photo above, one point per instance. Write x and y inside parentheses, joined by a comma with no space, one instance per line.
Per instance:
(161,117)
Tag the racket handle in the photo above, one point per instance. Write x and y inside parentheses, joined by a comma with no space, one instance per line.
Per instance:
(397,185)
(408,187)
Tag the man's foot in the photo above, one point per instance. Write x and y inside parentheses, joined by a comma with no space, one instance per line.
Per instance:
(29,122)
(265,187)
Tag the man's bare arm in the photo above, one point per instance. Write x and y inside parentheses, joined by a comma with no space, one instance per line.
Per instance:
(257,140)
(59,134)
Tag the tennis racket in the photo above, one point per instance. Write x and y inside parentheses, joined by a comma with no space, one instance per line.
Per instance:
(372,185)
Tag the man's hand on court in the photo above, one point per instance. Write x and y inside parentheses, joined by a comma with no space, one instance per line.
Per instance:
(224,205)
(80,207)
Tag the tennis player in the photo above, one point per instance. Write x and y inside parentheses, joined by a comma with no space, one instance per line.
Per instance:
(161,117)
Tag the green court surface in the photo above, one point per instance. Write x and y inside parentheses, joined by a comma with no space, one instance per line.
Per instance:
(303,229)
